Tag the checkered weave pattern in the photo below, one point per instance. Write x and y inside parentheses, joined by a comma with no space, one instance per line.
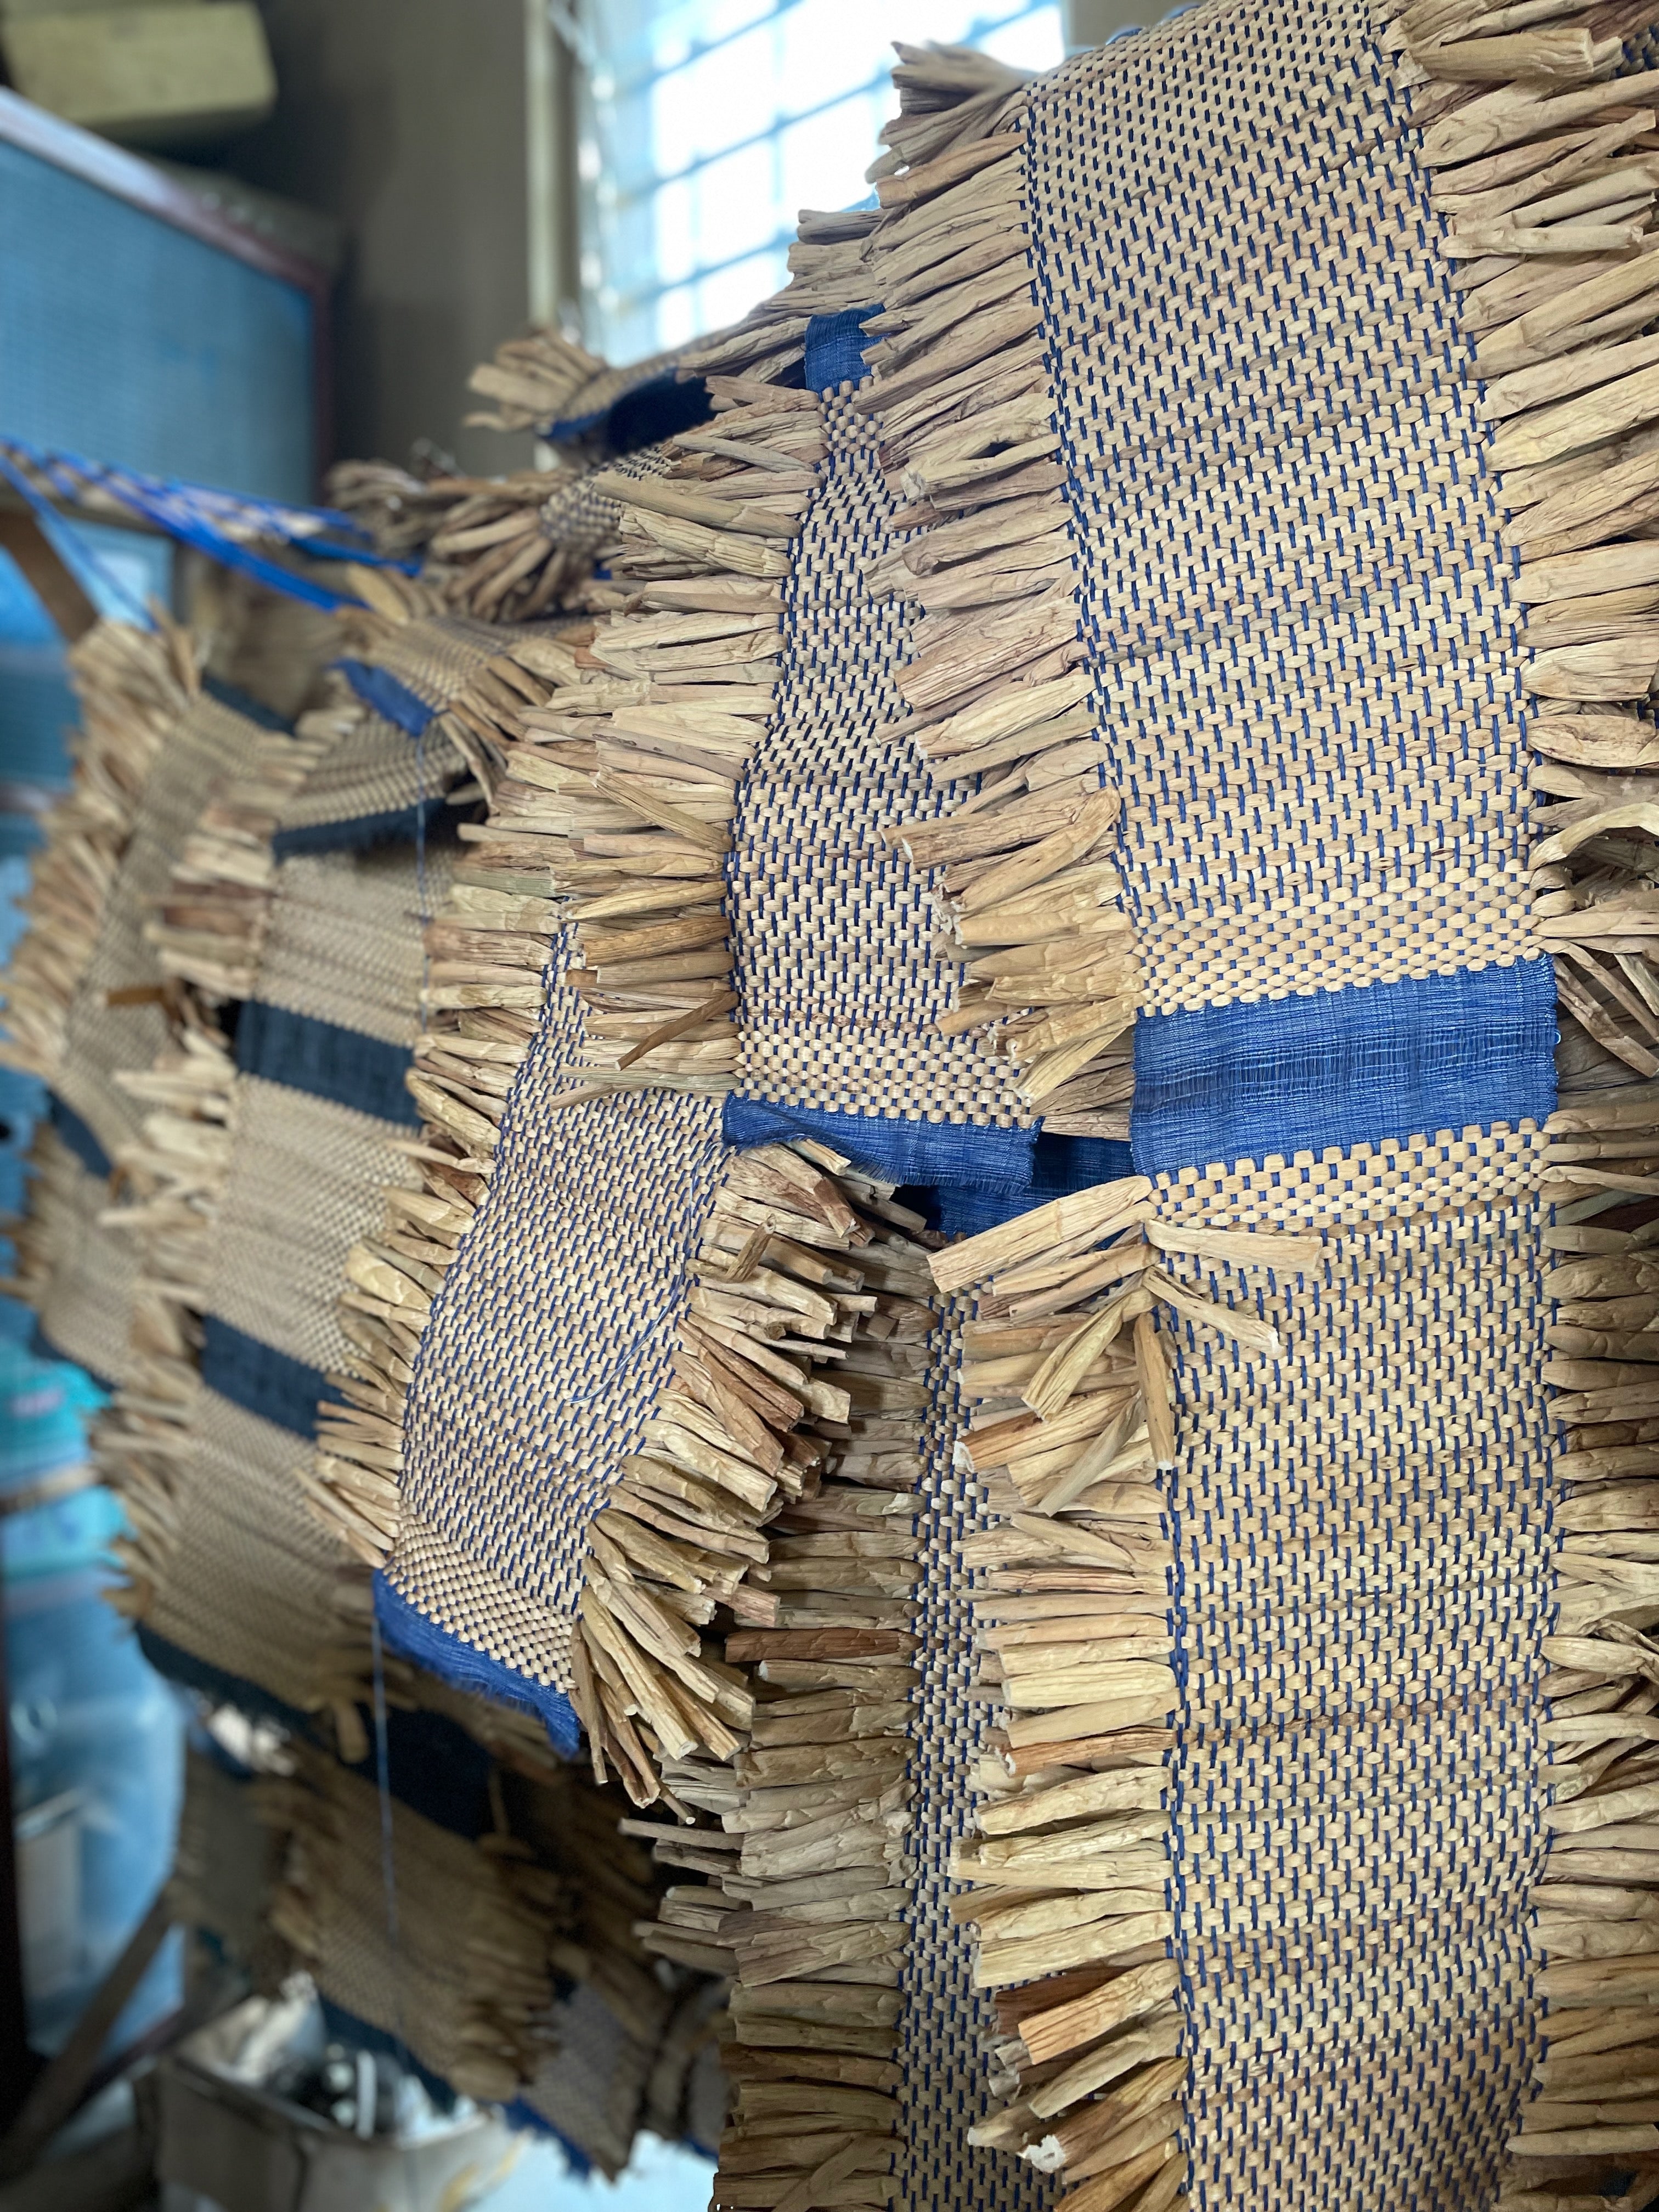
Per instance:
(839,983)
(546,1350)
(1289,570)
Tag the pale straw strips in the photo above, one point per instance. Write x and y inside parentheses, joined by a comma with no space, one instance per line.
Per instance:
(996,686)
(134,686)
(171,1178)
(1545,168)
(802,1843)
(611,751)
(1069,1372)
(483,1926)
(211,930)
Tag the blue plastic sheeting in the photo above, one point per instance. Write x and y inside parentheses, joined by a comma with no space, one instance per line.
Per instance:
(835,349)
(91,1723)
(125,337)
(466,1668)
(73,1131)
(325,1060)
(261,1380)
(380,688)
(1345,1067)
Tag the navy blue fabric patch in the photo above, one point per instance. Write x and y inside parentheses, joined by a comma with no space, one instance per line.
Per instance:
(340,1064)
(655,410)
(895,1151)
(660,408)
(379,689)
(356,832)
(1344,1068)
(259,1379)
(219,1687)
(466,1668)
(74,1132)
(435,1767)
(244,704)
(835,349)
(1059,1165)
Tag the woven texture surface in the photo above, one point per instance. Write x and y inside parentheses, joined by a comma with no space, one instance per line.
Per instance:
(344,942)
(546,1351)
(210,744)
(87,1309)
(840,988)
(251,1582)
(375,770)
(1290,568)
(276,1264)
(943,2088)
(1354,1833)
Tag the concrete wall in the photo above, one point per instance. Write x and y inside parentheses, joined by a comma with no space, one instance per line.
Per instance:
(404,119)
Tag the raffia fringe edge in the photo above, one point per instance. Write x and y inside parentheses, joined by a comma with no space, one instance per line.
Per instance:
(133,686)
(1543,169)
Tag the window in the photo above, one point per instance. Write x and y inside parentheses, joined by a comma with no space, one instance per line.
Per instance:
(707,125)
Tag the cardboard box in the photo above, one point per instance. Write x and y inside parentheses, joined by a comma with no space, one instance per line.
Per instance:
(148,77)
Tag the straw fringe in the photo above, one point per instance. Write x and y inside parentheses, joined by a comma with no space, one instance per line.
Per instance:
(615,750)
(807,1893)
(171,1178)
(1070,1375)
(1548,196)
(998,685)
(508,1921)
(211,929)
(133,687)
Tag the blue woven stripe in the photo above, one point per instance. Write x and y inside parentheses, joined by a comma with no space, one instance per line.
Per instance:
(379,689)
(1345,1067)
(259,1379)
(244,704)
(835,349)
(73,1131)
(465,1667)
(646,415)
(946,1153)
(341,1065)
(356,832)
(1058,1166)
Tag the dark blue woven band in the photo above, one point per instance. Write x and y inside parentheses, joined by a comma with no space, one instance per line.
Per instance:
(73,1131)
(356,832)
(244,704)
(379,689)
(462,1664)
(896,1151)
(341,1065)
(835,349)
(1345,1067)
(259,1379)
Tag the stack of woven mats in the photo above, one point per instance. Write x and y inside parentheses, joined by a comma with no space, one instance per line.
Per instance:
(164,719)
(287,964)
(477,1923)
(1164,1680)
